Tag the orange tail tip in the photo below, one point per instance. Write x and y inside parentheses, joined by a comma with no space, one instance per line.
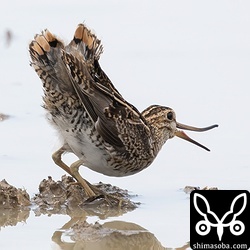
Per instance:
(79,32)
(35,47)
(84,35)
(49,37)
(42,42)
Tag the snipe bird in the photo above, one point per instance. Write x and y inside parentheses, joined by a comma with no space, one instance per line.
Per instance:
(107,133)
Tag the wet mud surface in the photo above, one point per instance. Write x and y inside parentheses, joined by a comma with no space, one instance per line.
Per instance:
(189,189)
(14,205)
(12,197)
(66,197)
(3,117)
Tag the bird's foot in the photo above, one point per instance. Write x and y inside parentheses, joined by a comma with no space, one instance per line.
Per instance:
(105,195)
(111,200)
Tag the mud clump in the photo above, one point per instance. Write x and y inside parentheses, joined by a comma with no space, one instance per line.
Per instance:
(65,195)
(189,189)
(62,197)
(3,117)
(14,205)
(12,197)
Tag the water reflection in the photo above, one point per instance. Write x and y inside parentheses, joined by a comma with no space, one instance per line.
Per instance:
(78,234)
(110,235)
(11,217)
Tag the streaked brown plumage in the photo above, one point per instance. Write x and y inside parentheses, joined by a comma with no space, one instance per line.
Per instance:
(107,134)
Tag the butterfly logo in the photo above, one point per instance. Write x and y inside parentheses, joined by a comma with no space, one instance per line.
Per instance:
(203,227)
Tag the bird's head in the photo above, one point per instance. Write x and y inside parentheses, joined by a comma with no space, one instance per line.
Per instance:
(163,121)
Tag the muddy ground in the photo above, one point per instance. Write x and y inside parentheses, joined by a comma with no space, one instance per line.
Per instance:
(65,196)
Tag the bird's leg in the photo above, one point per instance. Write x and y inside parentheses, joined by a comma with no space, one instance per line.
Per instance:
(74,169)
(90,190)
(57,158)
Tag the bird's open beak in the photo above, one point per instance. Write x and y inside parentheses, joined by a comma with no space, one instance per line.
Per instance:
(182,135)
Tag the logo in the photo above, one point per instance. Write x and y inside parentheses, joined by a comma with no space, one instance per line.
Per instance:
(219,219)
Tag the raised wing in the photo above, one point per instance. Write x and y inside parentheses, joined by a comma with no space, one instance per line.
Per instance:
(116,120)
(74,70)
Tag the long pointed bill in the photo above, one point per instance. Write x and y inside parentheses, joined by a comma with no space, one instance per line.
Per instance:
(182,135)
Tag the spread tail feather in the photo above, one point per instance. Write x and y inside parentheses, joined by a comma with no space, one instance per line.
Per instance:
(87,42)
(46,52)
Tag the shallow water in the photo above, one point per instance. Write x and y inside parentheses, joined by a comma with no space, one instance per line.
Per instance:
(193,56)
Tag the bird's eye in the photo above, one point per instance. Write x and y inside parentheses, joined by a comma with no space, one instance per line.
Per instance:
(170,116)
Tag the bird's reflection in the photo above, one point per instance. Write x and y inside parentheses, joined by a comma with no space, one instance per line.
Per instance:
(110,235)
(78,234)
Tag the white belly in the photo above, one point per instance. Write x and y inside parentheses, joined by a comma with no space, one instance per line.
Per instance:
(95,158)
